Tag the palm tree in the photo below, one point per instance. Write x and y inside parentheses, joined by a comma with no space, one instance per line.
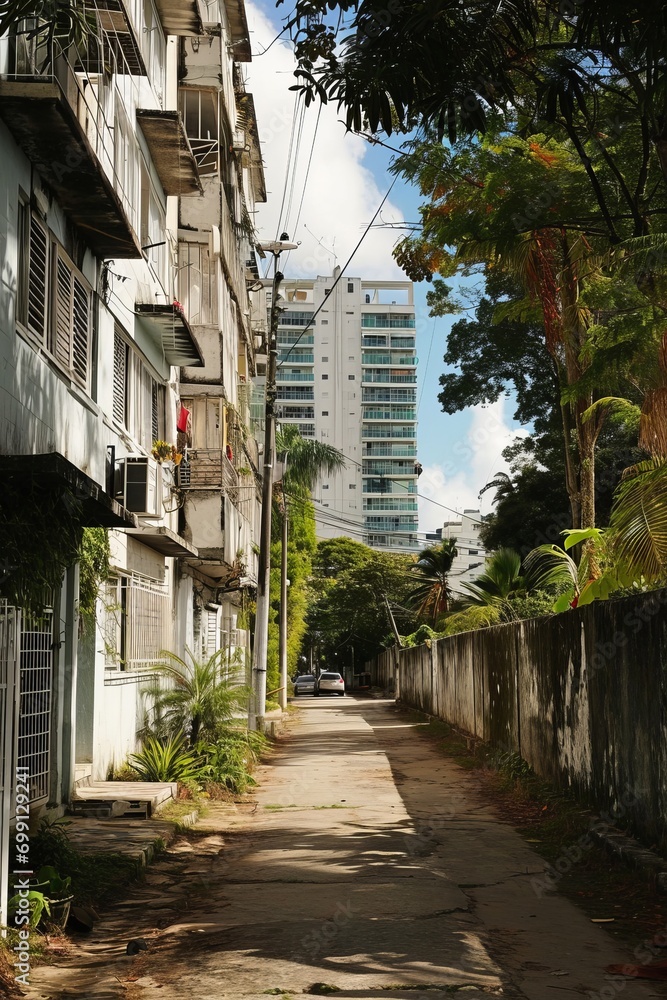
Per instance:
(200,700)
(434,564)
(305,459)
(501,580)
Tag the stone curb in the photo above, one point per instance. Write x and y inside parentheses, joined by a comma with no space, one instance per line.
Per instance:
(625,847)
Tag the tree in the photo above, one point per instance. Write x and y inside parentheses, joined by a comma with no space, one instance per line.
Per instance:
(201,698)
(304,461)
(348,619)
(501,580)
(431,598)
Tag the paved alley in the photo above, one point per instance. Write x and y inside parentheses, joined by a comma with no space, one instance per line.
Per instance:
(366,862)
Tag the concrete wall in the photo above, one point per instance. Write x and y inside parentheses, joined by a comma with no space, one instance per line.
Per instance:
(581,696)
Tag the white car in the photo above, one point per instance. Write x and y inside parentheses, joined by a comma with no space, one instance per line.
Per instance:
(330,683)
(304,684)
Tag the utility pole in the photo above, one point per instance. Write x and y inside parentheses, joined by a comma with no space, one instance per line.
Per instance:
(258,697)
(283,609)
(399,641)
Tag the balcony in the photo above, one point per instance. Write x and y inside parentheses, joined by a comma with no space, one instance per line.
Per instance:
(170,150)
(387,504)
(286,375)
(408,544)
(390,450)
(389,486)
(370,376)
(387,321)
(172,334)
(285,340)
(388,432)
(389,414)
(294,358)
(59,115)
(388,359)
(119,35)
(374,469)
(403,342)
(398,523)
(389,396)
(208,469)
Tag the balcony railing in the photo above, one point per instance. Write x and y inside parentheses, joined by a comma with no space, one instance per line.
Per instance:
(388,359)
(388,486)
(402,342)
(68,117)
(287,339)
(388,432)
(388,469)
(408,543)
(389,396)
(393,450)
(295,358)
(208,469)
(387,321)
(383,376)
(387,504)
(389,414)
(287,375)
(399,523)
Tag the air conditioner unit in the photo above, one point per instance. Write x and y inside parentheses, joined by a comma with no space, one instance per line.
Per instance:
(138,486)
(239,143)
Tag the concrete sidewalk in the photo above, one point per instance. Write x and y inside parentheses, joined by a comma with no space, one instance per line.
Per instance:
(368,866)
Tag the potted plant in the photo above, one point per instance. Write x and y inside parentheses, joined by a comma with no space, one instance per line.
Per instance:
(162,451)
(57,893)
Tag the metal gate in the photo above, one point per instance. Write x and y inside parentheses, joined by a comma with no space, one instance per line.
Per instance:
(9,647)
(36,694)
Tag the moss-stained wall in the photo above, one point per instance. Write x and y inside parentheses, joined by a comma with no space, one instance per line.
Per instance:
(582,696)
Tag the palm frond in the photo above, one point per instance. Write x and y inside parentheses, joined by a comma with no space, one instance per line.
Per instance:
(638,523)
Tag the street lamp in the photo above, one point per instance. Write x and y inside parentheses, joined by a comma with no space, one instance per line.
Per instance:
(258,698)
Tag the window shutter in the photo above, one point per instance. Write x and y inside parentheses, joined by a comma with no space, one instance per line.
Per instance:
(38,259)
(62,346)
(80,330)
(119,378)
(155,410)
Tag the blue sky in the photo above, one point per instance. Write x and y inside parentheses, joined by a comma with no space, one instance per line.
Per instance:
(347,181)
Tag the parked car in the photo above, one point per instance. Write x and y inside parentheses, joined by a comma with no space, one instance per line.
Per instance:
(330,683)
(305,684)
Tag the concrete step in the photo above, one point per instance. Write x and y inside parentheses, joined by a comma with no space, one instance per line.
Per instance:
(109,799)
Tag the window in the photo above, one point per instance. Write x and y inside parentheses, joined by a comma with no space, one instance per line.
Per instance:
(200,117)
(325,413)
(138,398)
(351,378)
(54,302)
(325,359)
(350,286)
(325,322)
(196,282)
(325,378)
(326,486)
(473,552)
(352,486)
(137,622)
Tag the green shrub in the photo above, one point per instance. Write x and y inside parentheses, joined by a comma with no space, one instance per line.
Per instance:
(230,759)
(168,760)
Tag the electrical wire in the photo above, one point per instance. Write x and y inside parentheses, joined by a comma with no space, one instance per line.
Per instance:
(430,348)
(305,180)
(341,274)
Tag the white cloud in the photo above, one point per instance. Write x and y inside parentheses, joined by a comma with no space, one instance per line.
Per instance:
(342,194)
(471,462)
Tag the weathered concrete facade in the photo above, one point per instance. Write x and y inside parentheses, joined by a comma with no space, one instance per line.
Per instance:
(581,696)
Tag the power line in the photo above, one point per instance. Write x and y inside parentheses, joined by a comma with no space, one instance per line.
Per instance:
(342,272)
(305,180)
(430,348)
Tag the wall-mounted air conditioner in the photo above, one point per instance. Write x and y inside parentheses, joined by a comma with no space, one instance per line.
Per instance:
(138,486)
(239,142)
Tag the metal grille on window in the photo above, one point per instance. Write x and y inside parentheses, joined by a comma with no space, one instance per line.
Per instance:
(38,258)
(36,677)
(148,621)
(119,378)
(62,346)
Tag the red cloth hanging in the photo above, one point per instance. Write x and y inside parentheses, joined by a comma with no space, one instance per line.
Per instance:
(229,453)
(182,420)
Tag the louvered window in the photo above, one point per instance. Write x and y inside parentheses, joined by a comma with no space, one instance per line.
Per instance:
(54,299)
(38,266)
(119,378)
(71,322)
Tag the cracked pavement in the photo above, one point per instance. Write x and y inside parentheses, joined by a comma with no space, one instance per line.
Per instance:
(365,861)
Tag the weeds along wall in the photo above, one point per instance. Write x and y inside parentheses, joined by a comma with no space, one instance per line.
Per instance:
(582,696)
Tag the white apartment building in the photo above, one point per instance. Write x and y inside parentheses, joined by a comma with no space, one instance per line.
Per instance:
(471,555)
(350,380)
(126,193)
